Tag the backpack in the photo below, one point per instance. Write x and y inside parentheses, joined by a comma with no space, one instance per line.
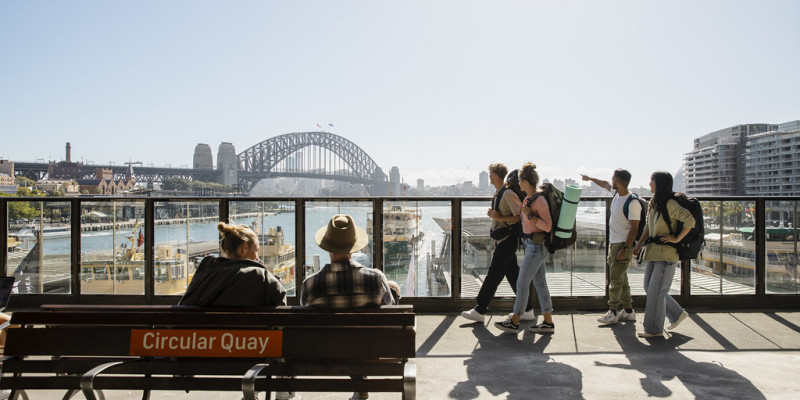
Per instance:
(514,230)
(642,213)
(555,198)
(691,244)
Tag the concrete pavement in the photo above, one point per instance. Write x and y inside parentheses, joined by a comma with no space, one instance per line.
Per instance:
(711,355)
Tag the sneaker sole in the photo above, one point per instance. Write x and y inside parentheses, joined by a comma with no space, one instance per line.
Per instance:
(507,330)
(534,330)
(473,319)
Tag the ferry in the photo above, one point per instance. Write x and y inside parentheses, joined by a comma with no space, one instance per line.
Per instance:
(401,234)
(125,274)
(738,255)
(12,243)
(276,255)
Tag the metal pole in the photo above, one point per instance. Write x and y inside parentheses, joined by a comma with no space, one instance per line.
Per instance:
(114,247)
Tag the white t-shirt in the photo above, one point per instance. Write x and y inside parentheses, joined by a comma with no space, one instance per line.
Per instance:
(619,226)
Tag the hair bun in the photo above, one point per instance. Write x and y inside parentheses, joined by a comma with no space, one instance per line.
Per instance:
(225,228)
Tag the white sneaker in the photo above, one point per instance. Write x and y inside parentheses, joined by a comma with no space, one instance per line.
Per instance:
(626,316)
(474,315)
(525,316)
(678,321)
(609,318)
(287,396)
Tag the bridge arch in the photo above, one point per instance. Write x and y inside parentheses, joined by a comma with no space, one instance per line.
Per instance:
(268,159)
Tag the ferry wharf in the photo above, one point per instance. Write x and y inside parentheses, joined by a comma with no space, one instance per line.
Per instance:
(711,355)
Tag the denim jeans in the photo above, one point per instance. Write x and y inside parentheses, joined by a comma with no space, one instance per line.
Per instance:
(657,281)
(532,269)
(504,264)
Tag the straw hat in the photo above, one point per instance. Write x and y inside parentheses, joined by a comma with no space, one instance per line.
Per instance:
(341,236)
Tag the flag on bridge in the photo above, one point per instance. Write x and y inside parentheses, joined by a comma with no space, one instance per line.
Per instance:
(318,126)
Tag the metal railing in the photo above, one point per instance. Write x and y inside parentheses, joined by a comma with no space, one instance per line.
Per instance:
(756,291)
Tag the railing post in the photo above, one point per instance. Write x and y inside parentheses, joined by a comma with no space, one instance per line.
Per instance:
(75,251)
(761,248)
(4,236)
(377,233)
(299,245)
(149,253)
(455,252)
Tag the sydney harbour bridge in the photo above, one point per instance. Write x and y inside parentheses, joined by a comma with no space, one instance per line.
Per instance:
(314,155)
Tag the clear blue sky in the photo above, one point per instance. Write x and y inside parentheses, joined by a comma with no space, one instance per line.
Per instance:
(438,88)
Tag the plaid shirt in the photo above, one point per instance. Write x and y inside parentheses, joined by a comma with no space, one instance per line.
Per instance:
(346,285)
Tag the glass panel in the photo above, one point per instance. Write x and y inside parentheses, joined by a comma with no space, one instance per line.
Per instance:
(185,232)
(318,213)
(782,248)
(411,233)
(476,248)
(580,270)
(726,265)
(273,222)
(39,246)
(112,240)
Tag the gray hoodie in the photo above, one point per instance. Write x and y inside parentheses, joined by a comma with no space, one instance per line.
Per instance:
(222,282)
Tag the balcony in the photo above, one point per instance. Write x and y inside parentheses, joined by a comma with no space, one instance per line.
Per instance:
(145,250)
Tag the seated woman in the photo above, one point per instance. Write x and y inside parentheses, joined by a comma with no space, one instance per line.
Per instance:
(237,280)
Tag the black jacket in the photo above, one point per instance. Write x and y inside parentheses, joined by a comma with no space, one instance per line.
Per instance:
(222,282)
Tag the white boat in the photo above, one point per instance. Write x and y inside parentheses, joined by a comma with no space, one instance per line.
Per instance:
(48,232)
(401,234)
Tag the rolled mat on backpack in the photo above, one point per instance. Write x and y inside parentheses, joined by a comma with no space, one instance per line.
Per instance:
(569,208)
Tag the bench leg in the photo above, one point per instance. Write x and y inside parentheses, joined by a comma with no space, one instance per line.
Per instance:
(87,380)
(410,381)
(249,382)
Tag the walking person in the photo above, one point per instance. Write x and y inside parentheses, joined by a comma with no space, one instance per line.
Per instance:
(661,258)
(504,213)
(622,233)
(536,222)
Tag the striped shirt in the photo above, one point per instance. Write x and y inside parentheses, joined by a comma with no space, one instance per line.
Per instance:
(346,285)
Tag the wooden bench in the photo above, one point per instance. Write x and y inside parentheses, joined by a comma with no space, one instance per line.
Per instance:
(294,349)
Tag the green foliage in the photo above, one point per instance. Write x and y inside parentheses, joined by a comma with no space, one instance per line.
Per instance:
(22,210)
(21,180)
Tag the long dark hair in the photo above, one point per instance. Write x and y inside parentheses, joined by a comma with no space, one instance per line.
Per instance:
(663,181)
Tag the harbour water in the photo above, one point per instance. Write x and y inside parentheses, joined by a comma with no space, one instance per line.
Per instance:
(179,235)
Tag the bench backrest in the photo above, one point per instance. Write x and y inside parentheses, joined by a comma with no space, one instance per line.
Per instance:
(293,331)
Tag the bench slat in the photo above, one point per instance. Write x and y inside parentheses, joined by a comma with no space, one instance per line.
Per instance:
(191,366)
(218,319)
(206,384)
(297,342)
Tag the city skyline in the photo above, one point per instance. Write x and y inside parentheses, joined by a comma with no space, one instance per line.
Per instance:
(439,90)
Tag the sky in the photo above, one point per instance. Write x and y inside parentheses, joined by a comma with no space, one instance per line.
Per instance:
(440,89)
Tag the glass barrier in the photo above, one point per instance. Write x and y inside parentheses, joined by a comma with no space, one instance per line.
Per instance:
(411,233)
(319,213)
(781,247)
(39,248)
(112,247)
(185,232)
(726,265)
(477,248)
(580,270)
(274,223)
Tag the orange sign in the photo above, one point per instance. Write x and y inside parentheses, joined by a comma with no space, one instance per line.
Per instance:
(206,343)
